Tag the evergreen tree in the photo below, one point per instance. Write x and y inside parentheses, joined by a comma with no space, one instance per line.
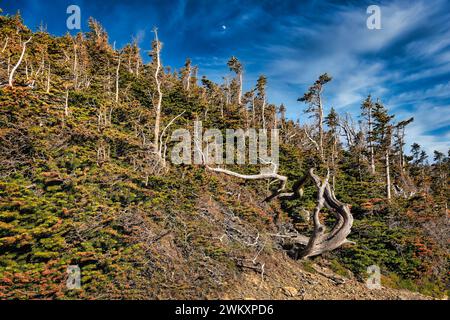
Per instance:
(236,66)
(382,133)
(261,84)
(367,109)
(313,97)
(332,121)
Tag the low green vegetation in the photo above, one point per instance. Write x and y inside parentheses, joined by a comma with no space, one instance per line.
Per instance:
(80,185)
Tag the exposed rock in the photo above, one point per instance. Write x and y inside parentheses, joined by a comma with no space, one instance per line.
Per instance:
(290,291)
(286,279)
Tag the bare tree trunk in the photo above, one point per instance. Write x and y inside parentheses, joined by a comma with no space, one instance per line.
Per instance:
(388,176)
(275,119)
(263,111)
(159,99)
(240,89)
(188,79)
(372,155)
(48,80)
(163,148)
(402,165)
(320,120)
(402,159)
(75,66)
(117,80)
(5,45)
(11,75)
(227,97)
(26,69)
(269,175)
(314,142)
(108,82)
(137,65)
(130,69)
(333,161)
(372,160)
(253,109)
(66,105)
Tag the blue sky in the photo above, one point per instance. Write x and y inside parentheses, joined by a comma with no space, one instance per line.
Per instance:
(406,63)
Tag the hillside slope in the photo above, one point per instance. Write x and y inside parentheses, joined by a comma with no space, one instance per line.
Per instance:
(80,186)
(288,280)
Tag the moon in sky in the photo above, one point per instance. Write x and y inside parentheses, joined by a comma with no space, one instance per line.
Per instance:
(224,27)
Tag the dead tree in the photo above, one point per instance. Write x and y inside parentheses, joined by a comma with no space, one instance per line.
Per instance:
(367,112)
(320,241)
(236,66)
(388,174)
(5,45)
(349,130)
(66,103)
(157,51)
(261,84)
(75,65)
(117,77)
(103,152)
(313,97)
(383,135)
(47,90)
(186,75)
(400,142)
(11,75)
(163,146)
(227,92)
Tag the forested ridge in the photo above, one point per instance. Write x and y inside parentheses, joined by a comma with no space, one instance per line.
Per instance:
(86,180)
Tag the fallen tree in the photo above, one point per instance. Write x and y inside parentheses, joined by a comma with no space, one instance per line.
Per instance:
(321,240)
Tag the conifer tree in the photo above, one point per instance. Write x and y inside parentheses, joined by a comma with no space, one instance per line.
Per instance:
(367,109)
(236,67)
(382,131)
(261,84)
(186,74)
(332,121)
(313,98)
(399,142)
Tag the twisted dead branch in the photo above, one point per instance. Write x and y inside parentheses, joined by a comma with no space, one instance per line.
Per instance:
(320,241)
(13,71)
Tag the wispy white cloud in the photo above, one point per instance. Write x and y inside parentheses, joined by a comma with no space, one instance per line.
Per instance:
(365,61)
(406,63)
